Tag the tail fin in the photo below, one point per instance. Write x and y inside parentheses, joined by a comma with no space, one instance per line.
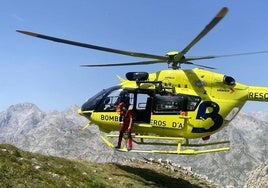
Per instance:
(121,79)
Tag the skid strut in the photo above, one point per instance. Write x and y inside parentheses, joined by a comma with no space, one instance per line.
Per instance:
(183,146)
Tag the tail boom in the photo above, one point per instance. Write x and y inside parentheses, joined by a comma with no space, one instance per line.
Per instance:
(258,93)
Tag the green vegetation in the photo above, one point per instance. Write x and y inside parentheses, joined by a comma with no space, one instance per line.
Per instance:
(24,169)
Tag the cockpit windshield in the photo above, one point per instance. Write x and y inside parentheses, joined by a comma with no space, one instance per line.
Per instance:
(96,99)
(111,100)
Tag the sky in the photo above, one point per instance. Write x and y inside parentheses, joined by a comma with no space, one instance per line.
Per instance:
(49,75)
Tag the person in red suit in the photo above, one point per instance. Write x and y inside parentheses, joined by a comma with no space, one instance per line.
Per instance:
(126,119)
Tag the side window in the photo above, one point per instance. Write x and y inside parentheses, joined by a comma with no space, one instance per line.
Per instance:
(175,103)
(142,100)
(192,102)
(169,104)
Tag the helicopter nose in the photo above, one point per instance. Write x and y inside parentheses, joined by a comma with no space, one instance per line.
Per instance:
(79,111)
(87,114)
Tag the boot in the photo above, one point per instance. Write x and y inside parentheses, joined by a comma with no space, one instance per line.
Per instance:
(119,140)
(129,143)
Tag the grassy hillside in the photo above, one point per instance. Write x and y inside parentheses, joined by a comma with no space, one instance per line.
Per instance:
(24,169)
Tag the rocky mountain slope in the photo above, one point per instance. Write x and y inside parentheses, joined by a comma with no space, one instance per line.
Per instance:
(249,148)
(258,177)
(53,133)
(61,134)
(24,169)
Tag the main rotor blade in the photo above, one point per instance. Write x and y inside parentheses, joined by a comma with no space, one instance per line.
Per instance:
(125,64)
(199,58)
(241,54)
(84,45)
(212,23)
(227,55)
(190,63)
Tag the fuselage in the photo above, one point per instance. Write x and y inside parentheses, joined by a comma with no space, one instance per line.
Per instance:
(178,103)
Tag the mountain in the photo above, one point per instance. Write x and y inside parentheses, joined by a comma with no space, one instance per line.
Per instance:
(263,116)
(258,177)
(53,133)
(61,134)
(248,149)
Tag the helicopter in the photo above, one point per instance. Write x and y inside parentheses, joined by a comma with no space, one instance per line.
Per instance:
(173,106)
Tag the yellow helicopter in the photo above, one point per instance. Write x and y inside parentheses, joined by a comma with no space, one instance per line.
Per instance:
(171,106)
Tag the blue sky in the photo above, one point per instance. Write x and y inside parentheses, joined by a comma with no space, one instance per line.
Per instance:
(48,74)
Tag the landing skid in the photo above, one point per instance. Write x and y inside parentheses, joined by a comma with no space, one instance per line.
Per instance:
(177,142)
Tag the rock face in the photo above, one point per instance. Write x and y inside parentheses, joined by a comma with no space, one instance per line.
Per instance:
(258,177)
(248,149)
(53,133)
(61,134)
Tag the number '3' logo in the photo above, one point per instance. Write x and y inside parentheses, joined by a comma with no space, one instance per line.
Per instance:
(214,115)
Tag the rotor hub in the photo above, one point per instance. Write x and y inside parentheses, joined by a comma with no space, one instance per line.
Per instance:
(175,58)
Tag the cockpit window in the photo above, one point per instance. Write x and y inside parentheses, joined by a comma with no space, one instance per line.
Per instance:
(111,100)
(94,101)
